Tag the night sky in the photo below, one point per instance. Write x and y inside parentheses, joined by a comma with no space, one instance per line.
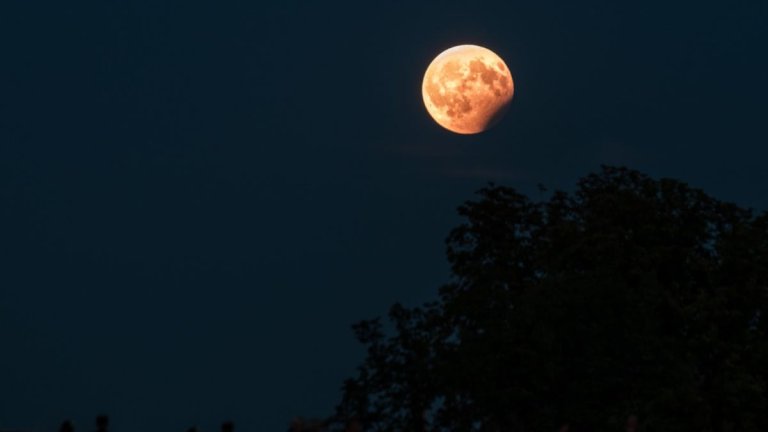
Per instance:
(199,199)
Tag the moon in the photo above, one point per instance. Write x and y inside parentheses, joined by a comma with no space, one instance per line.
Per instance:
(467,89)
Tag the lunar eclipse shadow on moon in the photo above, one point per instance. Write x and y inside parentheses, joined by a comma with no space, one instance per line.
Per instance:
(467,89)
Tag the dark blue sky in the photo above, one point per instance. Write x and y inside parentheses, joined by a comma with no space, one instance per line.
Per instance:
(198,199)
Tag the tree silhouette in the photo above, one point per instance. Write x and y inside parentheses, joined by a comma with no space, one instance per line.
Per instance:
(629,303)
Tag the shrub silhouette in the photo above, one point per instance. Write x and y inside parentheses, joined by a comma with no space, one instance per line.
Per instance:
(228,426)
(67,426)
(102,423)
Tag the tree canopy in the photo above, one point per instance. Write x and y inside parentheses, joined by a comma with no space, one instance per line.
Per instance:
(629,296)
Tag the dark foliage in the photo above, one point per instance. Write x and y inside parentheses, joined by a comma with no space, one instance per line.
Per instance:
(630,298)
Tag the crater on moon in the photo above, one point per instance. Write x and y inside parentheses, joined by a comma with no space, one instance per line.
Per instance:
(467,88)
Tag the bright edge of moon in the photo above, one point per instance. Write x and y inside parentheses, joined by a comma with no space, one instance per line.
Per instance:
(467,89)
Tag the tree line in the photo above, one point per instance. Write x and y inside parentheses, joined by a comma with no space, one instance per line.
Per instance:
(102,425)
(628,303)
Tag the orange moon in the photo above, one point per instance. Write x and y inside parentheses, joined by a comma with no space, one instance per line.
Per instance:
(467,89)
